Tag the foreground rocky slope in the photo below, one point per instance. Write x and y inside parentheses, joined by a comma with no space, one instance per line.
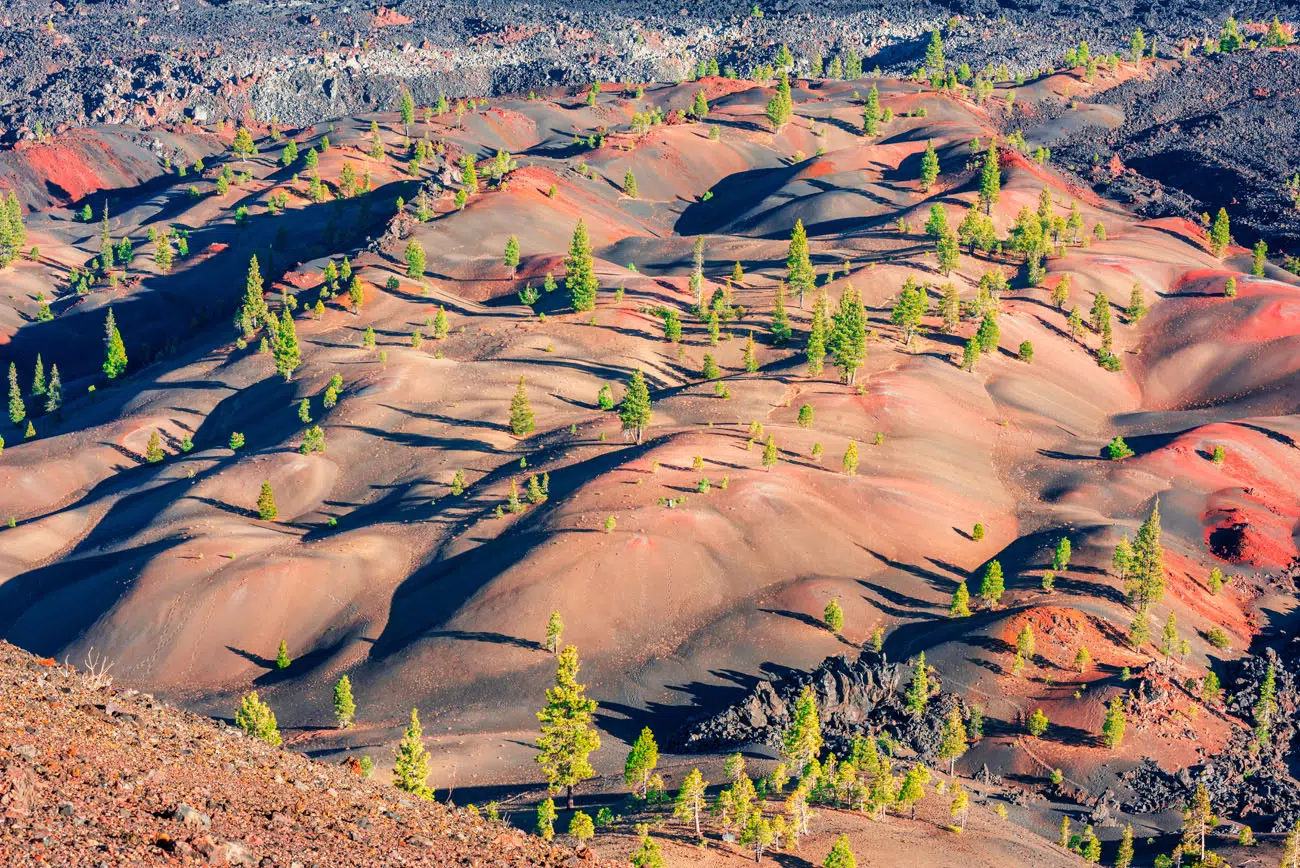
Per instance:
(92,774)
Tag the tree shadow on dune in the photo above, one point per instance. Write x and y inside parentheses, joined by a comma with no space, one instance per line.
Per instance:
(936,581)
(486,636)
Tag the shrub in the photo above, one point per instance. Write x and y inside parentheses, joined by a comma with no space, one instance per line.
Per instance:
(1117,450)
(1217,637)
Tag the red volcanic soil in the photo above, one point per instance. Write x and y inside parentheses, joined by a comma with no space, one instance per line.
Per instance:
(683,565)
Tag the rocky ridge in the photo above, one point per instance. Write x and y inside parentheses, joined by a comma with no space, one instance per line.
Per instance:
(95,775)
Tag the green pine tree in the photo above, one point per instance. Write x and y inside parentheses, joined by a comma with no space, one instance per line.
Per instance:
(282,660)
(256,719)
(992,587)
(568,737)
(953,742)
(411,765)
(580,271)
(266,509)
(345,709)
(285,349)
(803,739)
(17,407)
(780,327)
(990,178)
(929,167)
(1220,234)
(415,260)
(115,360)
(918,692)
(848,337)
(960,606)
(634,412)
(641,763)
(798,267)
(522,420)
(817,334)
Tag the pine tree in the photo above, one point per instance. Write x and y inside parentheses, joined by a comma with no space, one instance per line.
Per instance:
(834,617)
(256,719)
(440,325)
(629,185)
(691,800)
(54,391)
(1025,642)
(750,359)
(1124,856)
(1038,723)
(1266,707)
(411,760)
(798,267)
(817,334)
(848,338)
(990,178)
(1112,727)
(913,787)
(266,509)
(780,327)
(803,739)
(522,420)
(406,107)
(38,378)
(1220,234)
(770,452)
(285,350)
(634,412)
(511,256)
(871,112)
(581,827)
(701,106)
(953,743)
(554,630)
(960,606)
(17,408)
(992,587)
(243,146)
(580,271)
(1291,848)
(1061,557)
(546,815)
(115,360)
(1146,570)
(647,855)
(344,707)
(567,738)
(929,167)
(780,107)
(918,691)
(960,805)
(841,855)
(153,451)
(282,660)
(1198,820)
(1169,637)
(415,260)
(641,763)
(909,309)
(934,59)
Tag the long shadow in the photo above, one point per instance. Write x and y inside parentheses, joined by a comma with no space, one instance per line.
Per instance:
(937,581)
(485,636)
(46,609)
